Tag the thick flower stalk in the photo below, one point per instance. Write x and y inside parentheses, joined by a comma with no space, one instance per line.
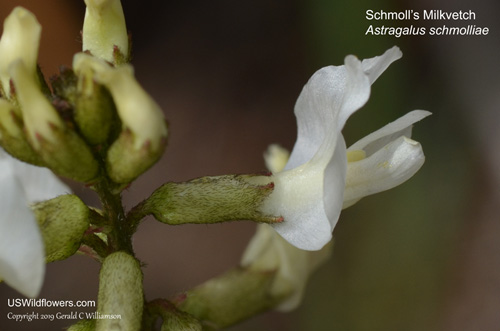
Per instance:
(22,258)
(309,192)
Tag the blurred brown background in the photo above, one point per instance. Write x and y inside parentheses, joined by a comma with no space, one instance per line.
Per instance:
(424,256)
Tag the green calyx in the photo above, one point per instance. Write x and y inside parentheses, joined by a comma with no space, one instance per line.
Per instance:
(12,137)
(124,162)
(68,155)
(63,222)
(120,293)
(212,200)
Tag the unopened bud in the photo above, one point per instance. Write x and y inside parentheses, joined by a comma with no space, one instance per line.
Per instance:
(144,130)
(63,222)
(104,31)
(120,293)
(12,137)
(20,41)
(61,149)
(95,112)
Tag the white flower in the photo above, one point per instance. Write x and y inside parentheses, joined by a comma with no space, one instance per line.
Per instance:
(20,40)
(104,28)
(309,192)
(378,162)
(268,251)
(22,255)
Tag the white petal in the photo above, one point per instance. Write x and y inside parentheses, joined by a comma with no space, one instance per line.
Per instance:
(22,255)
(375,66)
(38,183)
(400,127)
(334,183)
(330,96)
(387,168)
(310,200)
(310,195)
(298,197)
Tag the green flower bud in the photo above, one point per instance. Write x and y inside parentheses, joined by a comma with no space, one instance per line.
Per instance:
(12,137)
(211,200)
(63,222)
(60,148)
(120,293)
(104,31)
(95,113)
(20,41)
(144,130)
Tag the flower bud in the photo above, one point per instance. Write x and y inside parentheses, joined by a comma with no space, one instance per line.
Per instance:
(20,40)
(120,293)
(12,137)
(63,221)
(95,112)
(104,31)
(61,149)
(144,130)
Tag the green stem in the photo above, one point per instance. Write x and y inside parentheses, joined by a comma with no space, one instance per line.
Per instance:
(136,214)
(119,238)
(95,243)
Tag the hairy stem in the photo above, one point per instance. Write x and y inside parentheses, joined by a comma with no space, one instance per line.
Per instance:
(119,238)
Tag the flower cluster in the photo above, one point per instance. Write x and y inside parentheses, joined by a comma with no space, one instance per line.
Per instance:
(95,124)
(102,95)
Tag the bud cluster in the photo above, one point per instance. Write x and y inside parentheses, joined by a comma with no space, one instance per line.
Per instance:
(93,120)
